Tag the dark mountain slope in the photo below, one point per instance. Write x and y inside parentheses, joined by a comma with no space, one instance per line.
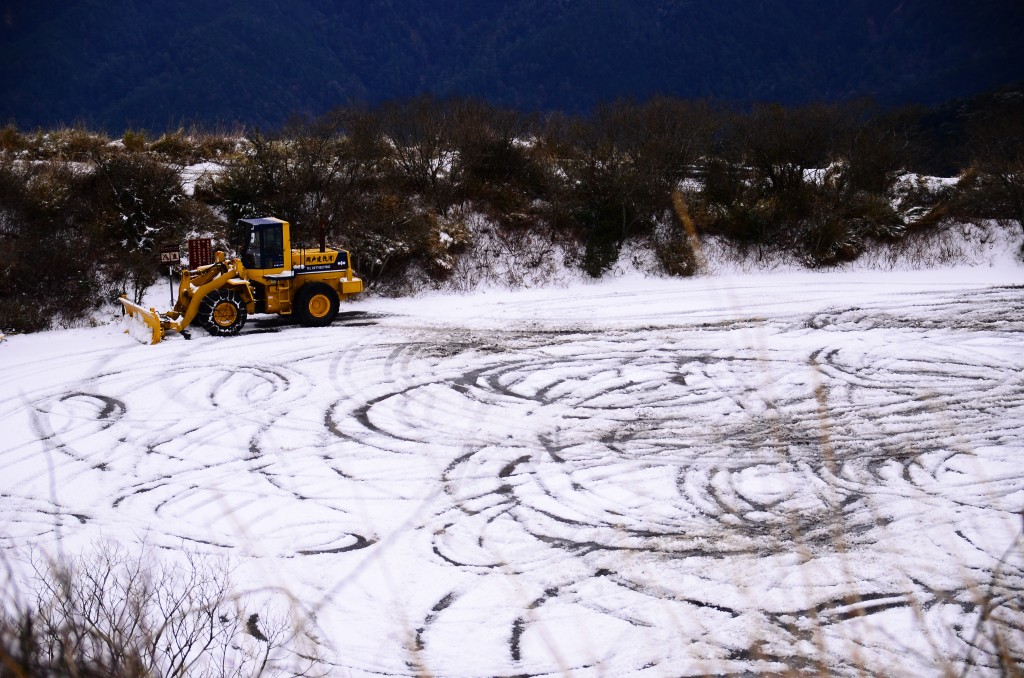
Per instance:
(118,63)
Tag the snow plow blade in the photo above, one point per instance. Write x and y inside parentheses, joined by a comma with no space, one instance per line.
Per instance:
(142,324)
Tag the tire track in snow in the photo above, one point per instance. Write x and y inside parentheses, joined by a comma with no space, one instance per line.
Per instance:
(713,457)
(724,497)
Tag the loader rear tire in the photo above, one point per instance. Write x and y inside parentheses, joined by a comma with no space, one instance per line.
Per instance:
(222,313)
(316,305)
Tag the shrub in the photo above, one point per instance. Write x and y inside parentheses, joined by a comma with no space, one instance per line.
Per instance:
(601,189)
(312,178)
(48,275)
(873,147)
(138,207)
(601,223)
(216,146)
(11,140)
(676,244)
(841,223)
(176,148)
(392,183)
(445,241)
(736,206)
(997,146)
(387,237)
(134,141)
(75,144)
(494,164)
(826,238)
(77,234)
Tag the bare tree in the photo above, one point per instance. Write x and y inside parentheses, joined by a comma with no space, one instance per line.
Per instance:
(494,158)
(418,132)
(996,136)
(110,613)
(873,146)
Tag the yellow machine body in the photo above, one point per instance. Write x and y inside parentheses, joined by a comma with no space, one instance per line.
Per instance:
(270,277)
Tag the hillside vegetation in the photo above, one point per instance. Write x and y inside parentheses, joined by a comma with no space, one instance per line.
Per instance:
(414,187)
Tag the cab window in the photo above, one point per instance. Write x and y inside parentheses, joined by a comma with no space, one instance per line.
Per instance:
(265,248)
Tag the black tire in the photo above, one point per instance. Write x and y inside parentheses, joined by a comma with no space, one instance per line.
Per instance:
(316,304)
(222,312)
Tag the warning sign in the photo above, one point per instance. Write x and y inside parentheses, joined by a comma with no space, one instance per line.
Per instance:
(170,255)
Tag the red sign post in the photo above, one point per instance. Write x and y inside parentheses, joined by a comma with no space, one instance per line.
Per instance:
(200,252)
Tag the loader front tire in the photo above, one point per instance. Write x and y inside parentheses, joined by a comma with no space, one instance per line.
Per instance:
(316,305)
(222,313)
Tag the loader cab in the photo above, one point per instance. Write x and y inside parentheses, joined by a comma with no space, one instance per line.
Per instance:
(267,246)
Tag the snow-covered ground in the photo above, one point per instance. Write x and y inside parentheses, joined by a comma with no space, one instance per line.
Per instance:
(818,471)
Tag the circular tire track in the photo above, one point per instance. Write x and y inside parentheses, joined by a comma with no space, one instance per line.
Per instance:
(581,453)
(686,499)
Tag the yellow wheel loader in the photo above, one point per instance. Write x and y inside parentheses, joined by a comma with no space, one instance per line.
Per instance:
(270,277)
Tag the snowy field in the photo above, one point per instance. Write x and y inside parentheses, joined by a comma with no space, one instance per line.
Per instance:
(821,472)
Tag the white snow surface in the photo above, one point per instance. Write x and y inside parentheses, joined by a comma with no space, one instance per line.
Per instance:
(749,473)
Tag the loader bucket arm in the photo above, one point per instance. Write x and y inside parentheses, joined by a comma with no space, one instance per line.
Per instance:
(142,324)
(149,326)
